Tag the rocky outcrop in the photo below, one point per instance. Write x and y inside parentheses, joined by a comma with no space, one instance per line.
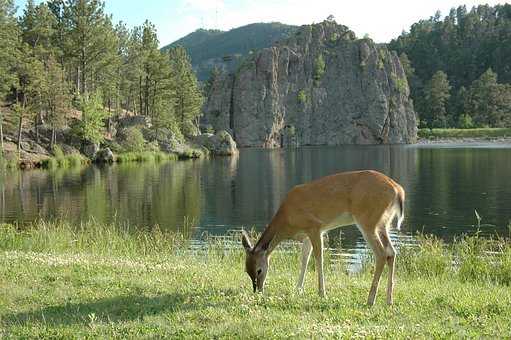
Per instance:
(320,87)
(105,156)
(219,144)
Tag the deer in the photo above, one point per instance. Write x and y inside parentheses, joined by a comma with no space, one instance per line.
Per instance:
(367,198)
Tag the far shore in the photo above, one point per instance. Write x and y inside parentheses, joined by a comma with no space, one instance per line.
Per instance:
(465,141)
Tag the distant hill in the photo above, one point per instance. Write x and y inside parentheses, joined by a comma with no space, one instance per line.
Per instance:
(210,48)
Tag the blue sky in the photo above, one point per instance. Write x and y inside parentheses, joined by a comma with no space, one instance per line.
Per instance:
(382,20)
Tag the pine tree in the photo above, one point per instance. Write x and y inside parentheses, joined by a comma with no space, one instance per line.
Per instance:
(86,41)
(188,95)
(8,55)
(30,87)
(57,98)
(488,101)
(437,94)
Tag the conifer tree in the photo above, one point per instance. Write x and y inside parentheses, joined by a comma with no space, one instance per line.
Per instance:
(8,55)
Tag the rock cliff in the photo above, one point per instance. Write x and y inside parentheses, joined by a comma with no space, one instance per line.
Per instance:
(321,86)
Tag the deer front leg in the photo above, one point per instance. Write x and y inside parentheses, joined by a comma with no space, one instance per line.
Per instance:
(306,253)
(317,247)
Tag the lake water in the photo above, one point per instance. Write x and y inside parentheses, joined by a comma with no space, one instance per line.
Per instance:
(444,185)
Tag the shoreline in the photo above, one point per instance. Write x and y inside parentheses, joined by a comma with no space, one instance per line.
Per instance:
(464,140)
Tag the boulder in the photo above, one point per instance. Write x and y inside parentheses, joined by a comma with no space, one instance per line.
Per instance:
(105,156)
(219,144)
(90,150)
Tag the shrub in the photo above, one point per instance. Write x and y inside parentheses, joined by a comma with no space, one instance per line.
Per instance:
(319,67)
(133,140)
(465,122)
(302,96)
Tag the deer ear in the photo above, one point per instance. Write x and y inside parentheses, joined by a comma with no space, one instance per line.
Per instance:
(245,240)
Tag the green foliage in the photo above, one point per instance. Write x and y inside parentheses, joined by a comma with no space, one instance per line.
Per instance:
(133,140)
(488,101)
(145,156)
(319,67)
(463,45)
(63,161)
(437,93)
(91,127)
(188,100)
(465,122)
(302,97)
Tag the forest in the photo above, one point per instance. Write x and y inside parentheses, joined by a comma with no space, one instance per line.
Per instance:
(64,63)
(459,67)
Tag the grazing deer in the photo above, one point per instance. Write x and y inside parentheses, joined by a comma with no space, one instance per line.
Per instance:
(368,199)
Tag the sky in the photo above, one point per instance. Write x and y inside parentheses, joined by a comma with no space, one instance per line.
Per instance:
(381,20)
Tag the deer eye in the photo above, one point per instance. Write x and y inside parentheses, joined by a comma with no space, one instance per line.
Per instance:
(259,271)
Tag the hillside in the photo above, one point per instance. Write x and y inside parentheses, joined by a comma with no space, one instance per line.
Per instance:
(459,67)
(210,48)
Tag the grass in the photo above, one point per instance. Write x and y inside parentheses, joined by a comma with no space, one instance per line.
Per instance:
(108,281)
(68,161)
(464,133)
(144,156)
(8,163)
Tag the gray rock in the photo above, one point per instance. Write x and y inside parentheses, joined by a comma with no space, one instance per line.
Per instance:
(68,149)
(32,147)
(219,144)
(105,156)
(90,150)
(360,96)
(131,121)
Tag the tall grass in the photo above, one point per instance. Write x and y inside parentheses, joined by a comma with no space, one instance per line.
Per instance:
(469,258)
(145,156)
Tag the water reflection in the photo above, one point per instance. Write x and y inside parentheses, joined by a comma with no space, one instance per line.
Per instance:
(443,185)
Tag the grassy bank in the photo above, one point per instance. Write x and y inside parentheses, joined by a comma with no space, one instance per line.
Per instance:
(464,133)
(67,161)
(61,281)
(145,156)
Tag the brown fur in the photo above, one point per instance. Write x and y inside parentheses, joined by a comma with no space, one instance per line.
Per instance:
(370,198)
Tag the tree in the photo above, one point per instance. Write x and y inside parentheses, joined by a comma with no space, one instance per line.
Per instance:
(8,54)
(214,75)
(464,45)
(29,87)
(57,97)
(92,126)
(37,33)
(86,41)
(437,93)
(489,102)
(188,95)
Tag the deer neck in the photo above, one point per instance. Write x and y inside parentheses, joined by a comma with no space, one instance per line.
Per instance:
(270,239)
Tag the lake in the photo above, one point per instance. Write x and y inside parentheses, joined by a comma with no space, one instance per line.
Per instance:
(445,184)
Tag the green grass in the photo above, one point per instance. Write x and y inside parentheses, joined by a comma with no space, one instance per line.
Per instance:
(8,163)
(464,133)
(68,161)
(64,281)
(144,156)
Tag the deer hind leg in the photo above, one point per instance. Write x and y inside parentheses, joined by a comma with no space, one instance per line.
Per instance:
(390,253)
(306,253)
(317,247)
(370,233)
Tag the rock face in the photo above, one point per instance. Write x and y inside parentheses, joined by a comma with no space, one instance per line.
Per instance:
(320,87)
(219,144)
